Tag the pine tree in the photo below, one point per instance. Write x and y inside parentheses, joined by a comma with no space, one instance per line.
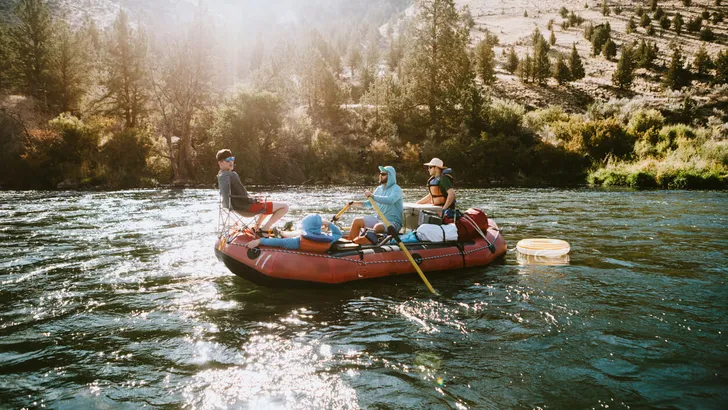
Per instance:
(658,13)
(650,30)
(525,69)
(609,50)
(631,26)
(32,42)
(525,13)
(665,22)
(702,61)
(563,12)
(639,11)
(645,20)
(125,73)
(721,68)
(353,58)
(552,39)
(677,76)
(678,22)
(6,60)
(541,62)
(485,61)
(575,65)
(511,61)
(550,25)
(69,68)
(598,39)
(438,66)
(589,31)
(561,70)
(645,54)
(605,8)
(624,74)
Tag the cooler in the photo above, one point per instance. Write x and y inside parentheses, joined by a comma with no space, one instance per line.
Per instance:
(411,214)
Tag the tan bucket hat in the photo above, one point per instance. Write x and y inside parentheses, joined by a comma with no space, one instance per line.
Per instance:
(436,162)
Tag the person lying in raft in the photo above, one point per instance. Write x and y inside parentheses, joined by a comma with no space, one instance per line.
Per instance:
(388,196)
(310,240)
(236,198)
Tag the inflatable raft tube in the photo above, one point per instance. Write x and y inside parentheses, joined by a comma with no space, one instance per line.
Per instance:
(543,247)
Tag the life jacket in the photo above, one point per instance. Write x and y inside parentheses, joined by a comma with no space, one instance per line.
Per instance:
(433,186)
(314,246)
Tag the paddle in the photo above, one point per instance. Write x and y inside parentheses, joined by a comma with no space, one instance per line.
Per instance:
(344,209)
(395,235)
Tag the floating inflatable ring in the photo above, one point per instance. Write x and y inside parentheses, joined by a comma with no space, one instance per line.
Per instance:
(549,248)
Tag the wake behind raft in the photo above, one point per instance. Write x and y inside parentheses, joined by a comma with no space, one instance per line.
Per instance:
(347,262)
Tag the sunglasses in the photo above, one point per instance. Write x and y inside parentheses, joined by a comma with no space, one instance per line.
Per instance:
(228,159)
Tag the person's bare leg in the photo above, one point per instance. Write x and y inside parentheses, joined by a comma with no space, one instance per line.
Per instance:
(280,210)
(356,226)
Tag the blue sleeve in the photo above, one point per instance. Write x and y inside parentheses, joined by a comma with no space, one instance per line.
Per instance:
(335,232)
(287,243)
(390,198)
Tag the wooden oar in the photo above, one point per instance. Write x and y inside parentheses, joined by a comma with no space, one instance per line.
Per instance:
(344,209)
(395,235)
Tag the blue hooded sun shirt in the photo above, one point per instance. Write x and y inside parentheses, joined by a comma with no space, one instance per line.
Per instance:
(389,197)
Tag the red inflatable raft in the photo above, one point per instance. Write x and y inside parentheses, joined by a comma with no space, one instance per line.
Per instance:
(346,262)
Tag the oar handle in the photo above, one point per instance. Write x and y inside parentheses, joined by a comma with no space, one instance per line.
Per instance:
(406,251)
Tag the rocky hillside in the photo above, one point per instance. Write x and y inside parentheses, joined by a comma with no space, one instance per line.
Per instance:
(514,20)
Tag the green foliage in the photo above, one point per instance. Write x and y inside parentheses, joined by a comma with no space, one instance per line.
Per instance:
(631,26)
(645,20)
(717,17)
(563,12)
(659,13)
(644,120)
(605,8)
(694,24)
(653,5)
(525,13)
(550,25)
(677,76)
(599,38)
(639,11)
(124,158)
(705,15)
(598,139)
(32,43)
(561,70)
(438,67)
(687,3)
(485,61)
(645,54)
(575,65)
(665,22)
(706,34)
(721,68)
(618,9)
(650,30)
(589,31)
(552,38)
(677,23)
(624,75)
(511,61)
(6,59)
(525,69)
(609,50)
(702,61)
(541,62)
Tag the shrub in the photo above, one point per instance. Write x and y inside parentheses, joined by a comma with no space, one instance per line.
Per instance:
(643,120)
(706,34)
(641,179)
(124,158)
(504,117)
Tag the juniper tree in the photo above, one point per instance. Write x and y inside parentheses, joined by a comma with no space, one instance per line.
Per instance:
(631,26)
(687,3)
(609,50)
(511,61)
(575,65)
(485,61)
(639,11)
(706,34)
(525,69)
(563,12)
(702,61)
(32,44)
(645,20)
(658,13)
(653,5)
(550,25)
(677,23)
(605,8)
(721,67)
(694,24)
(677,76)
(624,75)
(598,39)
(650,30)
(665,22)
(552,38)
(541,63)
(561,70)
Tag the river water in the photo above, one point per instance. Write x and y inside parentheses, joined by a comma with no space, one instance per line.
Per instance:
(116,300)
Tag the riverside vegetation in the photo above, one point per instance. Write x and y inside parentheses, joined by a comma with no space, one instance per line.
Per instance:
(327,100)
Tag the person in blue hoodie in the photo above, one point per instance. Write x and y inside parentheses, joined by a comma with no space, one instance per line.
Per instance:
(310,240)
(388,196)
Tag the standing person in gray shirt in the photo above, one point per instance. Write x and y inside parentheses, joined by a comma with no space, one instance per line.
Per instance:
(236,198)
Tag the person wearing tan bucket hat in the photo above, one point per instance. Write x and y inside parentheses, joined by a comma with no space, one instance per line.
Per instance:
(440,190)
